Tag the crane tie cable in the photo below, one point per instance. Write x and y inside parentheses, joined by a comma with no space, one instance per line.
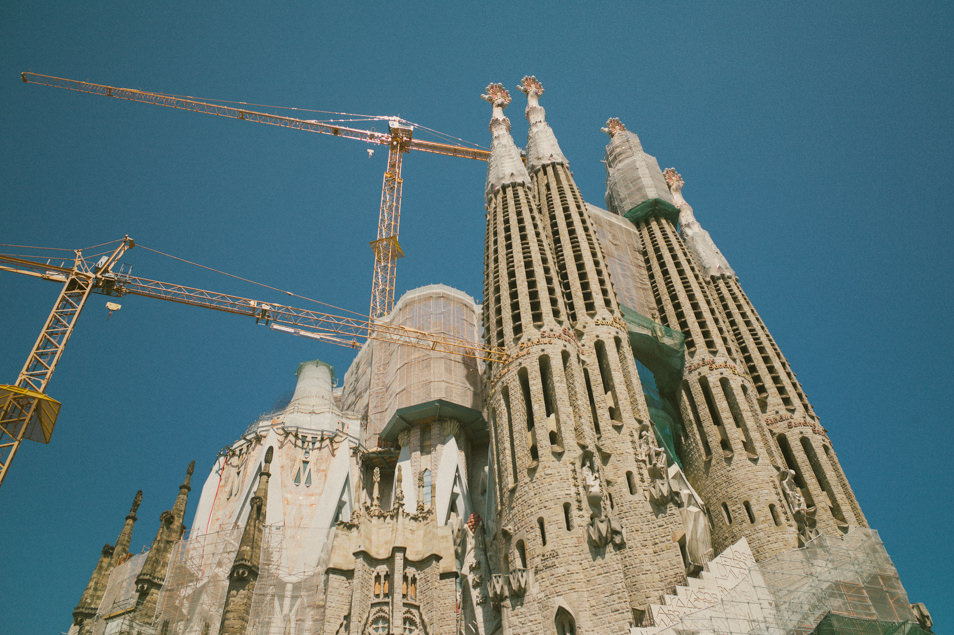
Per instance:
(231,275)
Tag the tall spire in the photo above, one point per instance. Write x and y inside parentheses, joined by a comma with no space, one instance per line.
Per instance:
(153,573)
(504,165)
(704,251)
(244,573)
(633,178)
(108,559)
(542,146)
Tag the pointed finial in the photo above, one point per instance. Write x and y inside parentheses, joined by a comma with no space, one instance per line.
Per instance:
(497,95)
(137,500)
(188,479)
(530,86)
(613,125)
(673,179)
(268,456)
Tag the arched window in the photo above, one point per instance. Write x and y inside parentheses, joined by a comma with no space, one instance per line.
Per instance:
(748,510)
(543,531)
(378,626)
(303,474)
(565,624)
(726,513)
(522,553)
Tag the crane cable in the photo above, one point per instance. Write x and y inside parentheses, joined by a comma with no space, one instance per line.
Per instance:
(161,253)
(261,284)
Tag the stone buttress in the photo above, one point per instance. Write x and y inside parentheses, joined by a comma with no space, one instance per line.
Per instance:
(548,475)
(727,450)
(804,447)
(652,560)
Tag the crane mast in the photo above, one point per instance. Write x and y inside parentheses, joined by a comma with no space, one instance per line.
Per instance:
(399,140)
(25,411)
(28,413)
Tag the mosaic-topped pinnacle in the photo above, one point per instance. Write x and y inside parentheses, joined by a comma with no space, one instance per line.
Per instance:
(531,87)
(673,179)
(499,98)
(613,125)
(542,146)
(700,244)
(504,164)
(497,95)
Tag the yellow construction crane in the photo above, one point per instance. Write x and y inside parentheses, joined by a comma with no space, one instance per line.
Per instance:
(398,140)
(27,413)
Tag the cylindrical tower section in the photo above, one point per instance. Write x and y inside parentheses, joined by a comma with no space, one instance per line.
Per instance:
(539,421)
(729,457)
(803,443)
(313,392)
(652,560)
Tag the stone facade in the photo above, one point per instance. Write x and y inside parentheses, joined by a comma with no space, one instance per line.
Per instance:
(645,456)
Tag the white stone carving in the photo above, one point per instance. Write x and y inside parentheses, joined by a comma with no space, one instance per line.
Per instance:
(700,244)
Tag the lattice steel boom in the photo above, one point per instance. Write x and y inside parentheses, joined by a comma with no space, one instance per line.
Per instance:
(399,141)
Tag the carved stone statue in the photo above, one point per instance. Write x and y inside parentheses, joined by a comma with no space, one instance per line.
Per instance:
(591,483)
(802,514)
(376,492)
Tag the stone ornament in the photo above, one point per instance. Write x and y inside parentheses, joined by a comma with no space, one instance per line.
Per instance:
(497,95)
(613,125)
(518,582)
(803,515)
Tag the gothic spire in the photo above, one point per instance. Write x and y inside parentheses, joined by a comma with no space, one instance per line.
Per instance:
(244,573)
(108,559)
(542,146)
(125,536)
(504,165)
(153,573)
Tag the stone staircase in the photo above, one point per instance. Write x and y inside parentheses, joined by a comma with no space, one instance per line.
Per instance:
(726,572)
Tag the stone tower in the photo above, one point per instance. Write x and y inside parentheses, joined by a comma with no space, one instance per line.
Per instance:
(631,461)
(803,444)
(549,476)
(728,453)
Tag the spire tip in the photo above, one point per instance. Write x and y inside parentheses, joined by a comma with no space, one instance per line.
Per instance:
(497,95)
(530,84)
(613,125)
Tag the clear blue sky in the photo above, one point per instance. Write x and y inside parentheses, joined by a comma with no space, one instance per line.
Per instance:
(815,140)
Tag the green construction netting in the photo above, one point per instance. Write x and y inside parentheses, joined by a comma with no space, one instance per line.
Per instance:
(834,624)
(660,358)
(660,348)
(653,207)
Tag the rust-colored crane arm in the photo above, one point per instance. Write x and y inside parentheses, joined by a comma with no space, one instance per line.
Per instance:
(450,150)
(219,110)
(244,114)
(336,329)
(345,330)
